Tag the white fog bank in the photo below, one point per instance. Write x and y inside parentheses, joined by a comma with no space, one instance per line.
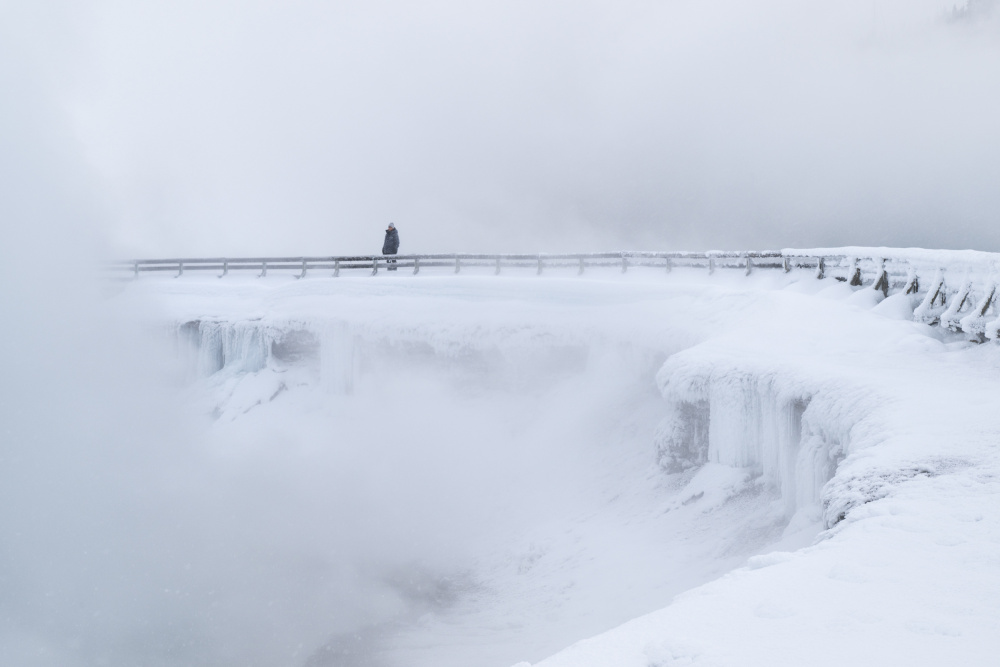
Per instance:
(303,128)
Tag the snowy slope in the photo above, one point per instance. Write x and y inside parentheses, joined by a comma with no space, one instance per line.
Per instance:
(509,465)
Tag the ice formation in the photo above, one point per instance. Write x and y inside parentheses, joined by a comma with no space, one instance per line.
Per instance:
(234,347)
(744,420)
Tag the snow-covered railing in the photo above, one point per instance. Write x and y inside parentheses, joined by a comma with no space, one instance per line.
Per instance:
(956,289)
(301,266)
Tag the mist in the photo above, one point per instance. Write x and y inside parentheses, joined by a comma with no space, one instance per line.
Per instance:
(220,128)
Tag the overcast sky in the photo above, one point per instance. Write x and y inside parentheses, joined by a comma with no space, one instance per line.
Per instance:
(213,127)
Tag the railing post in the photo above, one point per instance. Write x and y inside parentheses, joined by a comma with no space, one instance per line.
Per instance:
(939,290)
(922,313)
(135,270)
(303,274)
(180,269)
(580,272)
(950,318)
(624,262)
(820,268)
(497,272)
(975,322)
(670,265)
(416,265)
(711,265)
(263,270)
(882,283)
(984,305)
(225,268)
(785,264)
(539,265)
(458,263)
(374,265)
(336,268)
(855,273)
(749,264)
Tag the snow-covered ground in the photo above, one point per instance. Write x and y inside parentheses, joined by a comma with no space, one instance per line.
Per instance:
(475,470)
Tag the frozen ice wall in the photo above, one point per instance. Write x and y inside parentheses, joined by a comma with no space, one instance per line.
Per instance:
(786,417)
(240,347)
(749,427)
(745,420)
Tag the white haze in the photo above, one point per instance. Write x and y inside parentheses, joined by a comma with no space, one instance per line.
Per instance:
(229,128)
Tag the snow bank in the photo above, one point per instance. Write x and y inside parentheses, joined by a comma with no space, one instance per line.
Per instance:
(953,260)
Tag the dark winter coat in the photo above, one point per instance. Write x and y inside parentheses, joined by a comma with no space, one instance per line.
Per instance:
(391,244)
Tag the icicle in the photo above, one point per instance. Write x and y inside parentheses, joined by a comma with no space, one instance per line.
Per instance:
(742,420)
(242,347)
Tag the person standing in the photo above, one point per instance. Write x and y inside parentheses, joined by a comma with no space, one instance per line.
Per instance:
(391,245)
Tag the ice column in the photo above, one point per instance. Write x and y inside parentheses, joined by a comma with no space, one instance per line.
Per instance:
(237,347)
(750,426)
(743,419)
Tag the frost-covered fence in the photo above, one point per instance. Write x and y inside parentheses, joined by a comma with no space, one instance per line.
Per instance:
(956,289)
(458,262)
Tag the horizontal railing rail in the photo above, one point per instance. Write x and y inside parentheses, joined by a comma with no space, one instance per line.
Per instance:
(955,289)
(416,262)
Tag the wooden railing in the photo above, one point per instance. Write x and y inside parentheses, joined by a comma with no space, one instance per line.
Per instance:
(958,294)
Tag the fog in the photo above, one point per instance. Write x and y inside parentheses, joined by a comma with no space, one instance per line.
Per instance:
(303,128)
(134,532)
